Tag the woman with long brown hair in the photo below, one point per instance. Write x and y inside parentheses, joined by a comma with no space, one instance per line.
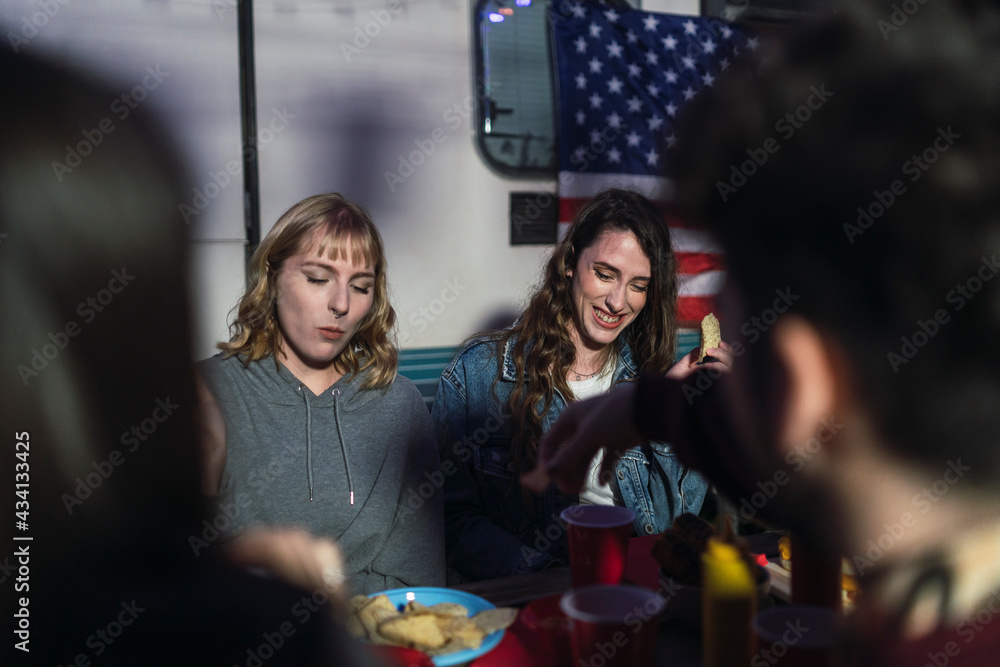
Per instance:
(320,432)
(605,312)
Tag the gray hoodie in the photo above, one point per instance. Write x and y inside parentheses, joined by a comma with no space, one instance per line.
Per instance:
(354,466)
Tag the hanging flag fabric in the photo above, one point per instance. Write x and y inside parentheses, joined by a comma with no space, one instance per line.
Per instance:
(622,77)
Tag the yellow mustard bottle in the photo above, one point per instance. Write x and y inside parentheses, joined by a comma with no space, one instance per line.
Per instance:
(729,602)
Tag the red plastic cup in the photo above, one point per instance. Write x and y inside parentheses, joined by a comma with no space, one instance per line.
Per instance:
(815,579)
(796,635)
(398,656)
(613,626)
(549,626)
(598,542)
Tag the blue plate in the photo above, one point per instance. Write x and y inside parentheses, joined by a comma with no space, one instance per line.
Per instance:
(431,596)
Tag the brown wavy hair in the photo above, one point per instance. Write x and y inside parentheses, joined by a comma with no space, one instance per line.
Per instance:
(339,227)
(544,352)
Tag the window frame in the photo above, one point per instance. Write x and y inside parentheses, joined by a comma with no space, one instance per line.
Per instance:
(522,173)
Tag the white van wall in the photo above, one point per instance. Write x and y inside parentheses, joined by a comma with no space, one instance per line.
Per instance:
(370,98)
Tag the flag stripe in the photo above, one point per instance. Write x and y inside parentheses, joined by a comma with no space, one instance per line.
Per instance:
(693,309)
(692,240)
(697,262)
(700,284)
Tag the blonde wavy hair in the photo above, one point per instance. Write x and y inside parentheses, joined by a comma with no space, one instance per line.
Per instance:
(338,227)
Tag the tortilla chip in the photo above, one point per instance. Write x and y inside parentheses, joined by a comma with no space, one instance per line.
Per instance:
(462,632)
(419,631)
(414,607)
(358,601)
(711,336)
(491,620)
(449,609)
(356,628)
(373,614)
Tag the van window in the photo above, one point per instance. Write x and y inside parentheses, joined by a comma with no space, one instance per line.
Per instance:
(515,129)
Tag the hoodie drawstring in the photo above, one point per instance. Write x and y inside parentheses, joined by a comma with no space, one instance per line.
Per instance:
(340,436)
(309,462)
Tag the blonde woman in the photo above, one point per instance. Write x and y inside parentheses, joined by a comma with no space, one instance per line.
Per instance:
(319,432)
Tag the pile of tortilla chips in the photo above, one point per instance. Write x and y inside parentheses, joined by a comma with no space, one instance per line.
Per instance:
(442,628)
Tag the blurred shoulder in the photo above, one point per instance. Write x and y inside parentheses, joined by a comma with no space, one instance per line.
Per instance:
(402,397)
(218,363)
(220,370)
(212,370)
(402,389)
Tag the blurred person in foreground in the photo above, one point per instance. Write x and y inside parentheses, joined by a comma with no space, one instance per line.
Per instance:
(605,311)
(318,431)
(882,214)
(97,413)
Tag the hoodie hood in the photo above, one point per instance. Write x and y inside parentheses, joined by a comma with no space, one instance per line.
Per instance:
(275,384)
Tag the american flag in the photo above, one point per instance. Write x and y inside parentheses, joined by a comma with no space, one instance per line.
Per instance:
(622,76)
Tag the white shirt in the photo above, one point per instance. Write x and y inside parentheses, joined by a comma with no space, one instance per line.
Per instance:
(593,492)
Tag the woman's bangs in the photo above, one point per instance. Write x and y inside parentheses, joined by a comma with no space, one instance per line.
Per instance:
(354,244)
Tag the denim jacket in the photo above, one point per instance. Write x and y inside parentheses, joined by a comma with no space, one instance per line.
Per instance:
(490,530)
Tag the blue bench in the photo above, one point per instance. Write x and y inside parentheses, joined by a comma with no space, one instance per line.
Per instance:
(423,366)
